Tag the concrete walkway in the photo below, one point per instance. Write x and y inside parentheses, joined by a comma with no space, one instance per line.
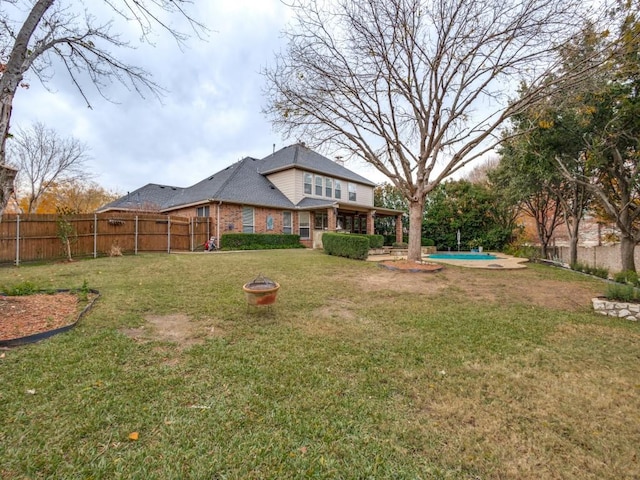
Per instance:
(501,262)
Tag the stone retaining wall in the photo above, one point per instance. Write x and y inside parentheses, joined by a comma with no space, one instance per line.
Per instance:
(630,311)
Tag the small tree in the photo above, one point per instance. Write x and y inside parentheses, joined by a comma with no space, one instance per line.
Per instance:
(66,231)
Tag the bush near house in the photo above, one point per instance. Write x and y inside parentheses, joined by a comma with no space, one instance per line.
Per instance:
(375,241)
(258,241)
(345,245)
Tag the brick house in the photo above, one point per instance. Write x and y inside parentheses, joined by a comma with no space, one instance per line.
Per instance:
(293,190)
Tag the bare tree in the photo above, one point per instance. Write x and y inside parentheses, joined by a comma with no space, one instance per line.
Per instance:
(45,160)
(59,33)
(416,88)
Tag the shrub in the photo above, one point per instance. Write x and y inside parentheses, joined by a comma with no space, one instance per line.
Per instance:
(400,245)
(375,241)
(523,251)
(622,293)
(258,241)
(24,288)
(629,277)
(577,266)
(600,272)
(343,245)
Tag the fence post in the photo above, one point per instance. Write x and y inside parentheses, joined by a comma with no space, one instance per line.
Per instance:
(191,229)
(95,235)
(135,237)
(17,240)
(168,234)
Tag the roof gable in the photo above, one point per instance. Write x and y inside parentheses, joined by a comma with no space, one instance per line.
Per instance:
(300,156)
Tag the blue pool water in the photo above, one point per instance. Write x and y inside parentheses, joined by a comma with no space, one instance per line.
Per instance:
(462,256)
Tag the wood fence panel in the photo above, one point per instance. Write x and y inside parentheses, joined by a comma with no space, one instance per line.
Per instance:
(97,234)
(116,231)
(201,231)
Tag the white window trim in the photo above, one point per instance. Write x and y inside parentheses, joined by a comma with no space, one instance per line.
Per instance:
(253,220)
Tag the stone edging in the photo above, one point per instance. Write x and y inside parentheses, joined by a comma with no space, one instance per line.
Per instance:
(630,311)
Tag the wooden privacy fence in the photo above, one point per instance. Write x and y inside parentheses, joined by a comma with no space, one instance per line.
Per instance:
(26,238)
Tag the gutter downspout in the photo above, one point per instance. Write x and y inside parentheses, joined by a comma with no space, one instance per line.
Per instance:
(218,224)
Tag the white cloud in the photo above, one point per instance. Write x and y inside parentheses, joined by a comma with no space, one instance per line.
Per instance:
(210,117)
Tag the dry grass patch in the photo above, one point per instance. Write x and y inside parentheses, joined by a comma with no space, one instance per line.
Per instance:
(174,328)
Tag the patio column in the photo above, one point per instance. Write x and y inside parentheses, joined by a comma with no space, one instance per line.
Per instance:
(399,228)
(332,219)
(370,222)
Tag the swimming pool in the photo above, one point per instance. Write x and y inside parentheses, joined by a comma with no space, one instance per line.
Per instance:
(462,256)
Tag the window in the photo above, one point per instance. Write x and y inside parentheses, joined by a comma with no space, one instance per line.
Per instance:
(202,211)
(286,221)
(318,185)
(352,192)
(303,220)
(247,220)
(321,221)
(307,183)
(338,189)
(328,190)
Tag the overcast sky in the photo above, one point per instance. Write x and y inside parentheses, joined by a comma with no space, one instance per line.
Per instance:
(210,118)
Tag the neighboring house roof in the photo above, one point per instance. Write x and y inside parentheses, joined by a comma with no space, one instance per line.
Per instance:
(304,158)
(244,182)
(151,197)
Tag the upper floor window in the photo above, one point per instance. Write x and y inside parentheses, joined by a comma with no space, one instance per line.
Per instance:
(328,188)
(202,211)
(247,219)
(352,192)
(318,185)
(338,189)
(307,183)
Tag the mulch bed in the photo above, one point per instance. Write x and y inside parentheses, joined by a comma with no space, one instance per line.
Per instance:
(21,316)
(412,267)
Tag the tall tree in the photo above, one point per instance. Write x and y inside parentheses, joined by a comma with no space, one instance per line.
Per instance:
(60,33)
(416,88)
(45,160)
(610,113)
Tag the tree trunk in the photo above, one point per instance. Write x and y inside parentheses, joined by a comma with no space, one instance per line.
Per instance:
(573,228)
(416,210)
(573,250)
(627,250)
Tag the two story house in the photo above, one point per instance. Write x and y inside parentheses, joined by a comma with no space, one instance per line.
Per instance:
(293,190)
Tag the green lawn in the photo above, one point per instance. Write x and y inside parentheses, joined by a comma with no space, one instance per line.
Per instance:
(356,372)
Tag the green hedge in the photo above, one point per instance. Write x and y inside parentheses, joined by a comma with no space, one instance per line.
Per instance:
(375,241)
(345,245)
(258,241)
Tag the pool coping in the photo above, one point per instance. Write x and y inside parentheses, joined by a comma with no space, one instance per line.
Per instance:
(501,262)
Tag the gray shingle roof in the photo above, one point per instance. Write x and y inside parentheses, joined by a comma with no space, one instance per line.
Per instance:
(150,197)
(238,183)
(243,182)
(304,158)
